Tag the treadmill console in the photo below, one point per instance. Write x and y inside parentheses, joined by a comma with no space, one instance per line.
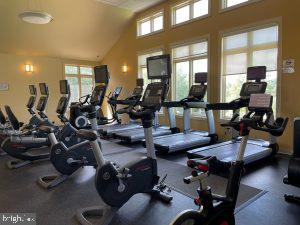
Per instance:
(153,96)
(137,91)
(198,90)
(98,95)
(254,84)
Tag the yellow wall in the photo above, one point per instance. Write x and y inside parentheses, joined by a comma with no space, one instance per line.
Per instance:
(48,70)
(125,50)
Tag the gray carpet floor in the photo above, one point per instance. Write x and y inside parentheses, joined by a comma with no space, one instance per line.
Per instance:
(20,193)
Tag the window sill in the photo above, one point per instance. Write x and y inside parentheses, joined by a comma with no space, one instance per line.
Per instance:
(190,21)
(223,10)
(150,34)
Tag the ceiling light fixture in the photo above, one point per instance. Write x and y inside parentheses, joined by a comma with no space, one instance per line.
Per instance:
(36,17)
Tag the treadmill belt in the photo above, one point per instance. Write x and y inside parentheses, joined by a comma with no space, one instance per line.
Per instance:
(118,127)
(228,152)
(181,141)
(135,135)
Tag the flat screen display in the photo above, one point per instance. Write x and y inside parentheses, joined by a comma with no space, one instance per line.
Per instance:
(159,67)
(256,73)
(200,78)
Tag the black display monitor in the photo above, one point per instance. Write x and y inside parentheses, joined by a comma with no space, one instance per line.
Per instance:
(32,90)
(43,89)
(101,74)
(201,78)
(159,67)
(63,86)
(256,73)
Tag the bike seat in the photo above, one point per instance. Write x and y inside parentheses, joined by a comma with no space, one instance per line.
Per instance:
(87,135)
(46,129)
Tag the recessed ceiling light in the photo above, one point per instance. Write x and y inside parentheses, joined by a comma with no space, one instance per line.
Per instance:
(36,17)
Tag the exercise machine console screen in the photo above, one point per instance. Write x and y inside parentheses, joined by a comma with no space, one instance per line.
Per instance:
(43,88)
(101,74)
(63,85)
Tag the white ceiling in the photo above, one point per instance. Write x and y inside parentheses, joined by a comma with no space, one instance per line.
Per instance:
(132,5)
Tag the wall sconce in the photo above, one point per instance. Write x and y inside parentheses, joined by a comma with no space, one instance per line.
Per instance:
(124,68)
(29,68)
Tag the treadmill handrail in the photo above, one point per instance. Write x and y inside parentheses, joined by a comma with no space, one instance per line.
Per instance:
(196,105)
(233,105)
(172,104)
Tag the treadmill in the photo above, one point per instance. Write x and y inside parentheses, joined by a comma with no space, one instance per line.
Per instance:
(189,139)
(256,149)
(137,134)
(132,101)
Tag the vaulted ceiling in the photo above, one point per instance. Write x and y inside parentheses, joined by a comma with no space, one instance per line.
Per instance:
(133,5)
(81,29)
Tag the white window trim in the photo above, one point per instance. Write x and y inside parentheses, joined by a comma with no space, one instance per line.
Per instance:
(250,27)
(79,75)
(191,20)
(150,17)
(226,9)
(190,42)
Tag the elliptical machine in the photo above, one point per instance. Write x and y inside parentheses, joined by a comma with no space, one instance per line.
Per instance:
(115,184)
(219,210)
(293,174)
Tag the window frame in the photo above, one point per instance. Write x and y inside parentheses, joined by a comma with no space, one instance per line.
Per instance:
(79,76)
(222,8)
(204,38)
(150,18)
(190,3)
(248,28)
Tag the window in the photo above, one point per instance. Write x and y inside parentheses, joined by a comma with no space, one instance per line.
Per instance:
(189,10)
(187,60)
(258,47)
(150,24)
(81,80)
(232,3)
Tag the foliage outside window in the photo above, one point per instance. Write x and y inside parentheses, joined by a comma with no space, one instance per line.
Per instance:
(257,47)
(187,60)
(81,80)
(189,10)
(151,24)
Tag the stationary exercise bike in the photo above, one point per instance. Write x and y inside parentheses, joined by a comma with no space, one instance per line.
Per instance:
(219,210)
(116,184)
(68,159)
(20,144)
(293,174)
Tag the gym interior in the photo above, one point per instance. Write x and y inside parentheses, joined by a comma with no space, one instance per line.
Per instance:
(198,95)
